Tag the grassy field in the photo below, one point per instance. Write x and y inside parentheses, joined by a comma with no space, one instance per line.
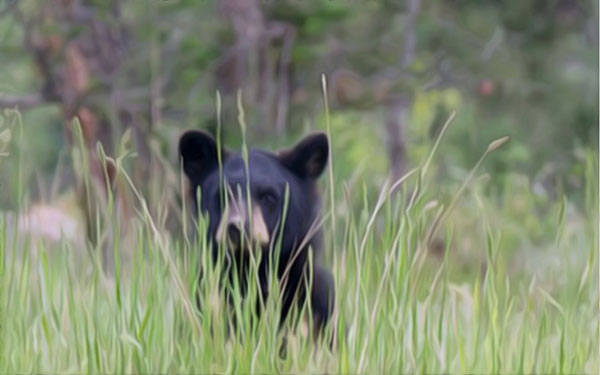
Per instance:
(476,283)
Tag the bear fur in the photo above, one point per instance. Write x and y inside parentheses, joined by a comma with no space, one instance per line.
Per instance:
(257,216)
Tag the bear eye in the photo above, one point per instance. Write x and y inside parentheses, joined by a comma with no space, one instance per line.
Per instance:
(268,199)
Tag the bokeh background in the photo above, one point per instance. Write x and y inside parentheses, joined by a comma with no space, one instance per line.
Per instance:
(137,73)
(492,270)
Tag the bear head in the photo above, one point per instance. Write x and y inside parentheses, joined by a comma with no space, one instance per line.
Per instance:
(245,203)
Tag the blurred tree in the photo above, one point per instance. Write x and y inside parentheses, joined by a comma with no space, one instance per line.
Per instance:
(249,65)
(78,48)
(528,69)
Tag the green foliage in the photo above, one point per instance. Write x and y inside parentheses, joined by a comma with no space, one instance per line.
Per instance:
(359,148)
(402,309)
(538,59)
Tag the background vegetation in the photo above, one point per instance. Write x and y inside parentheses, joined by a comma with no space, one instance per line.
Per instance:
(456,270)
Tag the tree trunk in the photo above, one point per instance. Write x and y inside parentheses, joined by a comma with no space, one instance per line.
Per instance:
(94,55)
(398,105)
(249,66)
(397,108)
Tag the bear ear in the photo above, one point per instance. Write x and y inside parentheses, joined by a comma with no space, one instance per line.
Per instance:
(198,150)
(309,157)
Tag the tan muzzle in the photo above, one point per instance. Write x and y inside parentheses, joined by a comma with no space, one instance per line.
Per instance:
(235,226)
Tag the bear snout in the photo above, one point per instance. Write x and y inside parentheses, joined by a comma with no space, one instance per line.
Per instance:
(235,225)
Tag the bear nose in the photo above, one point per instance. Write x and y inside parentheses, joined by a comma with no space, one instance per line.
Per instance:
(233,234)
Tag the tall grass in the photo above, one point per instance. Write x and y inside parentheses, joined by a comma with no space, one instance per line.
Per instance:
(400,308)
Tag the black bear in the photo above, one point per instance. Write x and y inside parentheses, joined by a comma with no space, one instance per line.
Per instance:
(252,220)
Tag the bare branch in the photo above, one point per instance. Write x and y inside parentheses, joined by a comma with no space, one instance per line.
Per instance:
(289,36)
(398,104)
(410,40)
